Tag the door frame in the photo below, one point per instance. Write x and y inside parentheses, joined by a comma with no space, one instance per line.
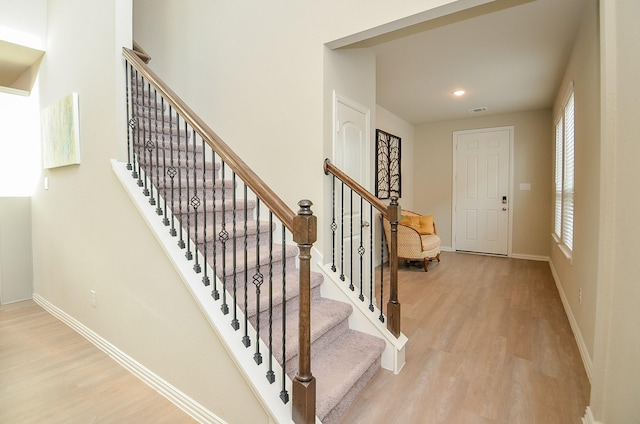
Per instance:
(510,183)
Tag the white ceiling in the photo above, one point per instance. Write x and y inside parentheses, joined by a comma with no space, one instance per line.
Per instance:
(508,55)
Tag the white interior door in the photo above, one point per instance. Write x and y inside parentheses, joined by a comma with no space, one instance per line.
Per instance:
(351,154)
(482,190)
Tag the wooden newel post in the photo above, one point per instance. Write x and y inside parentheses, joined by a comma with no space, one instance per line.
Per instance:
(393,306)
(304,384)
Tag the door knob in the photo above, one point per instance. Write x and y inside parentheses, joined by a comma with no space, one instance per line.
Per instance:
(504,209)
(365,224)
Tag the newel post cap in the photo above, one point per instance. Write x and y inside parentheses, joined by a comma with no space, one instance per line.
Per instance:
(305,224)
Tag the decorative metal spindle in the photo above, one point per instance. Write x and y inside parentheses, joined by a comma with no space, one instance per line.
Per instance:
(371,273)
(342,233)
(235,323)
(205,277)
(381,317)
(183,207)
(271,376)
(139,129)
(214,292)
(224,237)
(188,254)
(334,226)
(165,220)
(245,339)
(361,249)
(195,202)
(130,110)
(136,137)
(172,172)
(284,394)
(148,147)
(351,287)
(258,279)
(159,146)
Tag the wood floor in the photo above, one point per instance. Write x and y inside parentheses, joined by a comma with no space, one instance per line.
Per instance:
(489,342)
(51,374)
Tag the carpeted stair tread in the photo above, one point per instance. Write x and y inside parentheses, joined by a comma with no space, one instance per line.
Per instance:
(290,294)
(326,315)
(339,367)
(213,234)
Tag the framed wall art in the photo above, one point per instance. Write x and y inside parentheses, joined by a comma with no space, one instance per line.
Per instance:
(61,133)
(388,181)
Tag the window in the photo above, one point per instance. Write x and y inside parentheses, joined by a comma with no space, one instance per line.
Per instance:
(564,175)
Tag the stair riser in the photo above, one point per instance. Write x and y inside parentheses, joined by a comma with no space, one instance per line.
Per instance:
(191,218)
(318,344)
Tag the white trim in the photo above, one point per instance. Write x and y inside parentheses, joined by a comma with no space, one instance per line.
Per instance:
(181,400)
(582,346)
(511,202)
(529,257)
(588,417)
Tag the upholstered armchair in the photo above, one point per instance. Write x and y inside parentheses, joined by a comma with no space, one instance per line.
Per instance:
(417,238)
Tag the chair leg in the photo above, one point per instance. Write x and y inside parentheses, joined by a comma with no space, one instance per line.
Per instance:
(426,264)
(438,257)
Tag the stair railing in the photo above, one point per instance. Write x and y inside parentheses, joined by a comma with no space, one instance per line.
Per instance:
(350,200)
(192,178)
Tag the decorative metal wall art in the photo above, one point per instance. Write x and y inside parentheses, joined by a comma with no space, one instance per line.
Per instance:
(388,182)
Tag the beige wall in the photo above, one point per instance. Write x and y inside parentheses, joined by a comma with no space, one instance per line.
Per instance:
(433,164)
(616,360)
(87,234)
(16,262)
(580,271)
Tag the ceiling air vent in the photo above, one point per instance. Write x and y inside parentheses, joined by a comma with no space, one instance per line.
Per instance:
(478,109)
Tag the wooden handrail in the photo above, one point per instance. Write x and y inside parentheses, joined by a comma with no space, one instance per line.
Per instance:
(250,178)
(330,168)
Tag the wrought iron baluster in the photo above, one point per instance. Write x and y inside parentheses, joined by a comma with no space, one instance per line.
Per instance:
(271,376)
(245,339)
(205,254)
(334,226)
(361,250)
(224,237)
(188,254)
(130,110)
(172,172)
(381,317)
(165,220)
(159,145)
(342,233)
(258,279)
(183,206)
(234,322)
(214,291)
(284,394)
(195,202)
(148,147)
(371,271)
(153,144)
(351,287)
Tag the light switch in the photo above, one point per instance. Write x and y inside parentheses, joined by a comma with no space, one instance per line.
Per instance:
(46,183)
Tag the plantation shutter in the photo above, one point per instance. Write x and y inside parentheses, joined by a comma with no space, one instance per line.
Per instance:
(557,227)
(568,182)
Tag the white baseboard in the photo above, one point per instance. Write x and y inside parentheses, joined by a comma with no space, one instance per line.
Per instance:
(530,257)
(582,346)
(588,417)
(181,400)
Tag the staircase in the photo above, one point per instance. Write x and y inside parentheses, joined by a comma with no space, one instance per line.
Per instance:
(227,231)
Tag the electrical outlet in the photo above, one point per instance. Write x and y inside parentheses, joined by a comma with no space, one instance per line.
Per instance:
(580,296)
(93,298)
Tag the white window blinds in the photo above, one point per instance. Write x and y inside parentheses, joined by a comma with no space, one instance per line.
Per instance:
(568,178)
(557,226)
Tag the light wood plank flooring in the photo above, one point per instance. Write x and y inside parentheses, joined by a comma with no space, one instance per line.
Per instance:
(489,342)
(51,374)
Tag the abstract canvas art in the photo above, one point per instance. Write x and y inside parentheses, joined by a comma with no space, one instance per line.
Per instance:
(60,133)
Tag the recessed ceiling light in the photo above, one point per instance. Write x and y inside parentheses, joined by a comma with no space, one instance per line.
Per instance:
(459,93)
